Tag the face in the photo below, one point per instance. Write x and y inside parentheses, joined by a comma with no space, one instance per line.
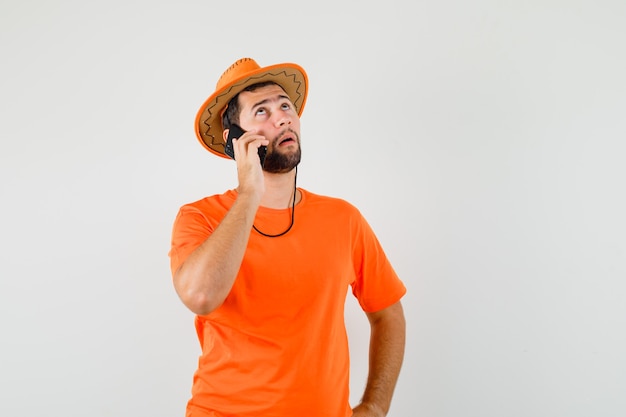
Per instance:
(271,113)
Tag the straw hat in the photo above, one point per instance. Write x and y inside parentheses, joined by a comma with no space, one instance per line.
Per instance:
(241,74)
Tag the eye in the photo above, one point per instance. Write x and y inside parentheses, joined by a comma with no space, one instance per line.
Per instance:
(260,111)
(286,106)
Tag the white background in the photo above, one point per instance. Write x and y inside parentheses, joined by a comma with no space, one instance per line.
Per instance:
(483,140)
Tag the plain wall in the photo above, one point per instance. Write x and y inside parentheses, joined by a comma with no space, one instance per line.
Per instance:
(483,141)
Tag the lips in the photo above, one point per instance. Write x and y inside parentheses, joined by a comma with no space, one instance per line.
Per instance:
(288,138)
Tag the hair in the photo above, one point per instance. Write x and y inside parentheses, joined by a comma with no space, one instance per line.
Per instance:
(231,115)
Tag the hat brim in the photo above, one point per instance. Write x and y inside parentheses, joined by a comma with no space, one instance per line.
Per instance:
(208,125)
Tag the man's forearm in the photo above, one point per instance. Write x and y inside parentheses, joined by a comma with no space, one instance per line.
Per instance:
(207,275)
(387,342)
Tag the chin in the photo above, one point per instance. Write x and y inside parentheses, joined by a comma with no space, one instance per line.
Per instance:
(278,163)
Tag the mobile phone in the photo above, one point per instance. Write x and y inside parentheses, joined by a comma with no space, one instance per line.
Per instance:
(235,132)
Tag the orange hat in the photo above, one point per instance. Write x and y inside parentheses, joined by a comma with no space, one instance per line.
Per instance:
(241,74)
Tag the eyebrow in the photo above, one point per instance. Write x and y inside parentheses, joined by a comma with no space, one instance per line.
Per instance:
(267,100)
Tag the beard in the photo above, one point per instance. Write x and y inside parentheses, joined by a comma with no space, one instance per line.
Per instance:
(279,162)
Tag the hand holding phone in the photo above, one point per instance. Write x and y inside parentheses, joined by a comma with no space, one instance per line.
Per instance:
(235,132)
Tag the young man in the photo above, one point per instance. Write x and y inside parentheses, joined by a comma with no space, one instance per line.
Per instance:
(266,268)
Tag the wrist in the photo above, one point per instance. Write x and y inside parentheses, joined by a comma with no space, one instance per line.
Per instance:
(370,409)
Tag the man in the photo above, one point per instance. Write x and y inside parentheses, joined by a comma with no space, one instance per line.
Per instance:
(266,268)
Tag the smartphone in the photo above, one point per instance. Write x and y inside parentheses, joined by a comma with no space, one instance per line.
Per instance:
(235,132)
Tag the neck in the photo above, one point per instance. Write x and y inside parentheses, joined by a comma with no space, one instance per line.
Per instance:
(279,190)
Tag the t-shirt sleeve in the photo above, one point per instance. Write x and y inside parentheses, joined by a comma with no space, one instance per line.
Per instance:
(190,230)
(376,285)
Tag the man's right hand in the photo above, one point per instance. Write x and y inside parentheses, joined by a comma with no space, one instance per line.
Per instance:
(249,170)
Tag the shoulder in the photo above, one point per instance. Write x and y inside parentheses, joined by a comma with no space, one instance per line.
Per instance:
(210,209)
(211,202)
(336,206)
(319,199)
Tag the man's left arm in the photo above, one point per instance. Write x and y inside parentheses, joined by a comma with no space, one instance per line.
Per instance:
(387,341)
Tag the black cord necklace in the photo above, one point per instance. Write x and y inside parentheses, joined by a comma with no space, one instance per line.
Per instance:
(293,210)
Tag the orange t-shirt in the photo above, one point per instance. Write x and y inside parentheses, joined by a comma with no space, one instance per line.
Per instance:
(277,346)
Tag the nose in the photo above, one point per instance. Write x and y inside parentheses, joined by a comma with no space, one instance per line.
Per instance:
(283,120)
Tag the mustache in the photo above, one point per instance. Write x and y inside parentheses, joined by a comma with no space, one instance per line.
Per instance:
(278,137)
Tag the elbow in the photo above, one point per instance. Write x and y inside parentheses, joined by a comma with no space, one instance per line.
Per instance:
(198,300)
(198,290)
(199,303)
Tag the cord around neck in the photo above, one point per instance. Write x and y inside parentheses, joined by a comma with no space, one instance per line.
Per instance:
(293,210)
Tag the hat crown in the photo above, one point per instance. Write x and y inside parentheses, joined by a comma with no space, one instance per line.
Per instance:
(238,70)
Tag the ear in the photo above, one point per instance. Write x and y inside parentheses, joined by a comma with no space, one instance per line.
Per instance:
(225,134)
